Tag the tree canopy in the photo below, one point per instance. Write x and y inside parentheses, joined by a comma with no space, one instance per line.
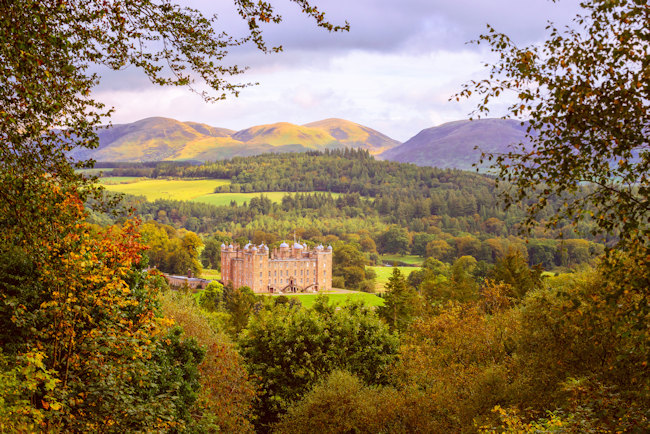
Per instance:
(586,95)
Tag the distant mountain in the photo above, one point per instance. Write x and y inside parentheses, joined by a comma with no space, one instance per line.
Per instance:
(354,135)
(451,145)
(157,139)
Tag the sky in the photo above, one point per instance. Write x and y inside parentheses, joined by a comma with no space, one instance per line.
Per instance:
(394,71)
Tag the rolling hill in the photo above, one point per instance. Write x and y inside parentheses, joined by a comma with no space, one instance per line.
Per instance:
(451,145)
(157,139)
(354,135)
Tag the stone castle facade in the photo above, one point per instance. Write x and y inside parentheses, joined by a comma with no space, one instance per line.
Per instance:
(286,269)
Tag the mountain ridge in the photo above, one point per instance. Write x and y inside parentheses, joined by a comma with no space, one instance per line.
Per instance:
(452,144)
(160,139)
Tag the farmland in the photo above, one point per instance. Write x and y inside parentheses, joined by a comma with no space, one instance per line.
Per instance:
(411,260)
(383,273)
(195,190)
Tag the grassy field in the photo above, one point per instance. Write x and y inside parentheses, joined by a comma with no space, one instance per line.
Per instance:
(211,274)
(176,189)
(308,300)
(195,190)
(383,273)
(414,260)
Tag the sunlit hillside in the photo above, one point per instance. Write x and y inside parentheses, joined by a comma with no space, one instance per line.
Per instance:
(159,139)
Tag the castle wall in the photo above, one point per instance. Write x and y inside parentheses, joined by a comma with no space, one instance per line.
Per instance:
(286,269)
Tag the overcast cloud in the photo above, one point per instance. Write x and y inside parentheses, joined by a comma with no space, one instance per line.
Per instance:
(394,71)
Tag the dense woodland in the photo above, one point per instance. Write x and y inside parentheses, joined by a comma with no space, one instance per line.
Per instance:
(477,340)
(442,214)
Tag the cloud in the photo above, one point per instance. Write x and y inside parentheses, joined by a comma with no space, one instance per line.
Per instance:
(394,71)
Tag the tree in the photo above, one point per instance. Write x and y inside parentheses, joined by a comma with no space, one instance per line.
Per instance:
(225,399)
(211,299)
(290,350)
(401,302)
(513,270)
(342,403)
(394,240)
(349,263)
(82,308)
(586,93)
(239,303)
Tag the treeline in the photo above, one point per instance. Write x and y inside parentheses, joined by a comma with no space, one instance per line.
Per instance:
(321,217)
(404,194)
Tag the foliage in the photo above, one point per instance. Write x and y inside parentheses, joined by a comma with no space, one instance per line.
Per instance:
(454,367)
(211,298)
(401,302)
(239,302)
(175,252)
(350,263)
(290,350)
(343,403)
(394,240)
(513,270)
(225,398)
(585,92)
(84,303)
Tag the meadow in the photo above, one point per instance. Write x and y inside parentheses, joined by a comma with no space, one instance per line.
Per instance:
(383,273)
(210,274)
(308,300)
(175,189)
(412,260)
(195,190)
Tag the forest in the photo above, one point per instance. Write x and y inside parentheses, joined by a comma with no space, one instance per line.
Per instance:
(442,214)
(477,340)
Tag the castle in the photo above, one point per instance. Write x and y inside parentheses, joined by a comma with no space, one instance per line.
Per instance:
(286,269)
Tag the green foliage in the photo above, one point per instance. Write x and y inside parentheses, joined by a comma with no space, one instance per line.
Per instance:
(239,302)
(513,270)
(394,240)
(212,297)
(343,403)
(401,302)
(225,399)
(291,350)
(349,263)
(175,252)
(585,92)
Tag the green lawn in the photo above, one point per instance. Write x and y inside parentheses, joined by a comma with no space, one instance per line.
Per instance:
(176,189)
(308,300)
(407,259)
(211,274)
(195,190)
(383,273)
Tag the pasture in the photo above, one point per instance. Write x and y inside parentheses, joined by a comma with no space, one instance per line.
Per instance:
(412,260)
(383,273)
(195,190)
(174,189)
(308,300)
(210,274)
